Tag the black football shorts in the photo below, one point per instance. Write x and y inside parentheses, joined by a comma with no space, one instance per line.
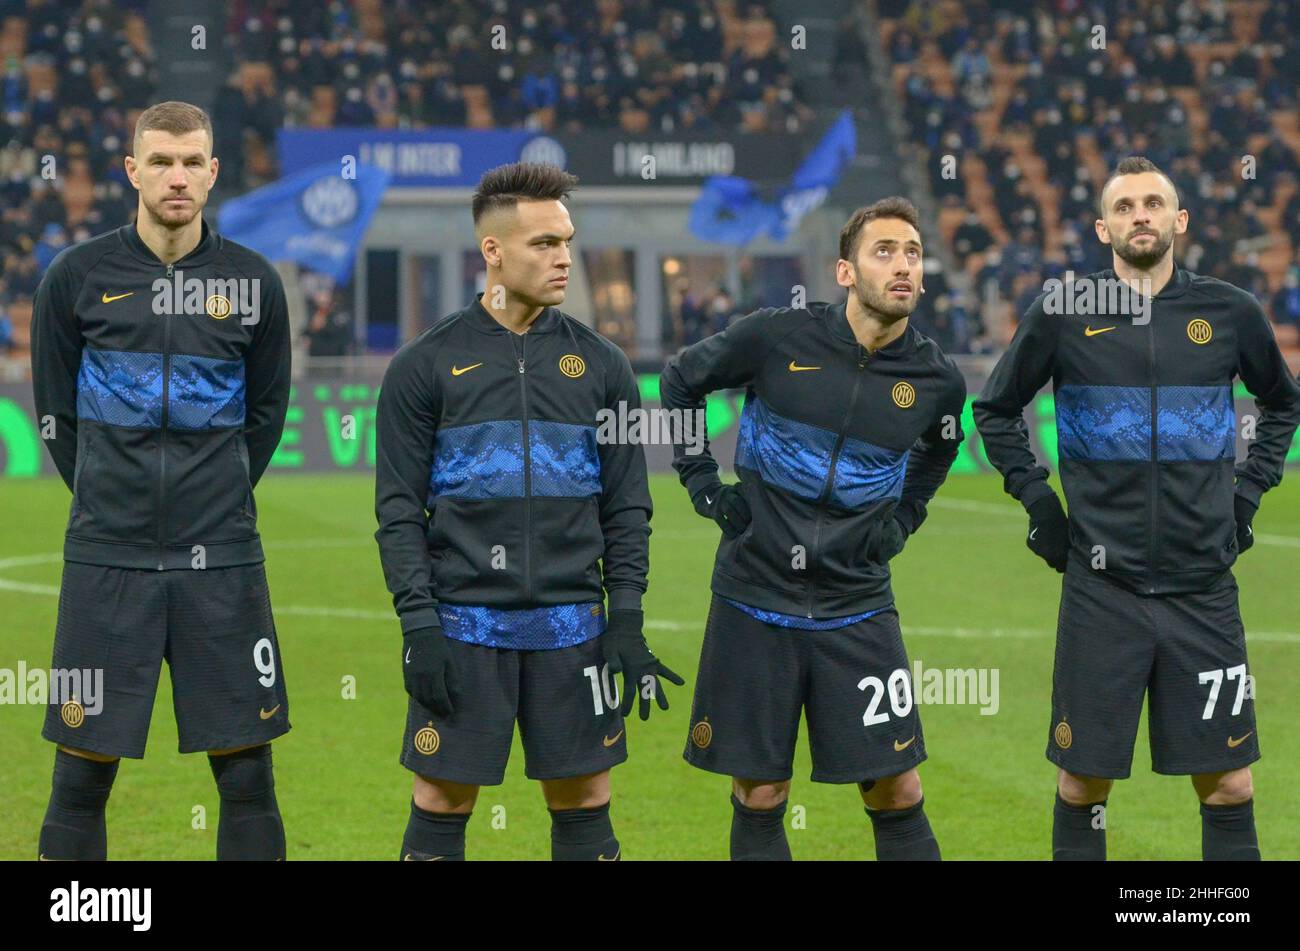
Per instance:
(213,626)
(565,700)
(1185,652)
(853,683)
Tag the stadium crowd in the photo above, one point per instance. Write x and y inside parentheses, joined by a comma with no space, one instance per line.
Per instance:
(636,65)
(76,75)
(1035,112)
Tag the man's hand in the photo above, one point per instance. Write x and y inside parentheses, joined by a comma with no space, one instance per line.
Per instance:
(1049,531)
(427,671)
(726,505)
(886,539)
(1243,511)
(626,651)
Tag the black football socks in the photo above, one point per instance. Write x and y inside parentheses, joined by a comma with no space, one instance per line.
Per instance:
(904,835)
(434,836)
(583,835)
(1228,833)
(250,828)
(1078,832)
(74,826)
(758,835)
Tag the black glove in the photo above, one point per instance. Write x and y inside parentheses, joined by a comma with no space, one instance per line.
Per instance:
(1049,531)
(1243,511)
(627,652)
(887,536)
(426,669)
(886,540)
(726,505)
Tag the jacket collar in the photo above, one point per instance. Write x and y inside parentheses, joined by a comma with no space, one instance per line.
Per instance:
(205,250)
(902,346)
(480,319)
(1179,282)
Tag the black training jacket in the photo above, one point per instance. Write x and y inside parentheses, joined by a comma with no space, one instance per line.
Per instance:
(491,486)
(1146,426)
(832,438)
(163,418)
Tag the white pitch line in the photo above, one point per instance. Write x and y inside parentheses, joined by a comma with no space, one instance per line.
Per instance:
(356,614)
(360,614)
(23,587)
(969,505)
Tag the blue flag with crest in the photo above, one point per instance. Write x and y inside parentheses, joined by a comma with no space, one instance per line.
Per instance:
(315,217)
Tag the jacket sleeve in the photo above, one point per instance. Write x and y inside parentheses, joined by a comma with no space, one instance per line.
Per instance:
(405,425)
(933,455)
(724,361)
(999,412)
(625,506)
(56,360)
(266,378)
(1277,395)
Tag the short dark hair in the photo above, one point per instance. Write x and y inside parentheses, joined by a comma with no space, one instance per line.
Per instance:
(173,117)
(895,206)
(1134,165)
(507,185)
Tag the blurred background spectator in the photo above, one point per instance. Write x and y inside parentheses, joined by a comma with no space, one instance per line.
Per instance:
(1037,101)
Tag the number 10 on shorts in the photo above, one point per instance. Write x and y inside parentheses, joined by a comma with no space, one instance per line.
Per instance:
(601,683)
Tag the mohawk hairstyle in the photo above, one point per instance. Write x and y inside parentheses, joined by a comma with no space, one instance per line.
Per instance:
(507,185)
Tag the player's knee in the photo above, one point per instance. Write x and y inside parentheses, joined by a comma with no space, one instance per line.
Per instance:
(893,792)
(86,754)
(1082,790)
(1224,789)
(436,795)
(237,749)
(579,792)
(244,775)
(761,794)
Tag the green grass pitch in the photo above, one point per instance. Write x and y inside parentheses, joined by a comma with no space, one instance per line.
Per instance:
(969,594)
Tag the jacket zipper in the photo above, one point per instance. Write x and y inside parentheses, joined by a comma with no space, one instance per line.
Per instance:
(528,475)
(863,356)
(162,450)
(1153,495)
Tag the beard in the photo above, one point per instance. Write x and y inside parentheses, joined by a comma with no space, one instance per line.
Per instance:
(1145,258)
(873,300)
(175,217)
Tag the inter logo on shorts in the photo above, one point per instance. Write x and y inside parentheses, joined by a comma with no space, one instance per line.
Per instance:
(702,734)
(1064,736)
(73,713)
(427,740)
(571,365)
(1199,331)
(903,394)
(218,307)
